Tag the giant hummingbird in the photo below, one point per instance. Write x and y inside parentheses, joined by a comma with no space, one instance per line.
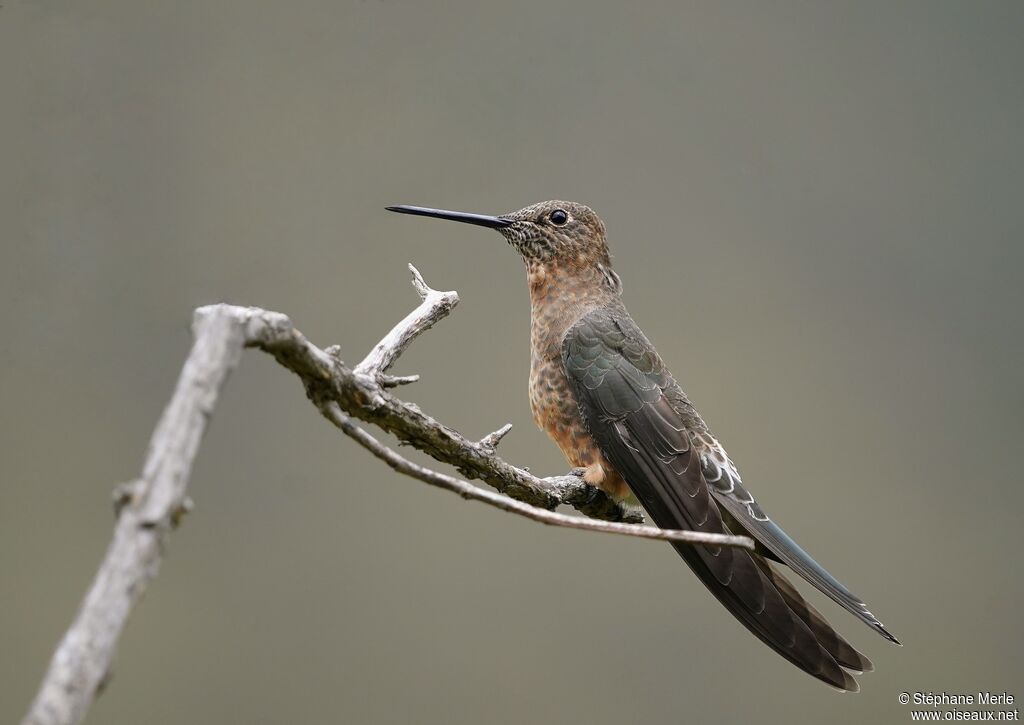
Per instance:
(600,390)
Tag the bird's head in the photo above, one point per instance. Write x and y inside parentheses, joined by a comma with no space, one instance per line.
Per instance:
(550,235)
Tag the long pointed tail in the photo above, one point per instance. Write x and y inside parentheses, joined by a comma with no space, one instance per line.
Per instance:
(753,595)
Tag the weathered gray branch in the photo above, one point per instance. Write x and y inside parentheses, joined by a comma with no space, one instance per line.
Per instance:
(474,493)
(148,508)
(151,506)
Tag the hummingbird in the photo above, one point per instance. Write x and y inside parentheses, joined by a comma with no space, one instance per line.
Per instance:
(600,390)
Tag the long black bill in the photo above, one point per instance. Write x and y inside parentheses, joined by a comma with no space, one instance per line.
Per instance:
(482,220)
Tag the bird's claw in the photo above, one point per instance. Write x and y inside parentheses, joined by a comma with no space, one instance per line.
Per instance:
(589,491)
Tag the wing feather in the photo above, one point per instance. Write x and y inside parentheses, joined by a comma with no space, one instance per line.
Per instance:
(729,492)
(626,398)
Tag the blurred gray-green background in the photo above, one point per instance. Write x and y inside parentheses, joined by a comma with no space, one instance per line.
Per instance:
(817,213)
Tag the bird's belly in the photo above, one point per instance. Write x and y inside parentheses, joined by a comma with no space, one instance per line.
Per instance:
(556,413)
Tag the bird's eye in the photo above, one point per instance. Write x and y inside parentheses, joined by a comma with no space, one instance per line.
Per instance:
(559,217)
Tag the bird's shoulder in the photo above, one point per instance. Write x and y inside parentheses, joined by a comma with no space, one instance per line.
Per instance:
(608,338)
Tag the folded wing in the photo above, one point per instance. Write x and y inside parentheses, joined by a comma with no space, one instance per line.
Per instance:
(727,489)
(626,398)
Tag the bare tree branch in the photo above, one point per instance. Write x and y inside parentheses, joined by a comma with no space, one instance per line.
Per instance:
(474,493)
(151,506)
(491,440)
(361,393)
(148,509)
(435,306)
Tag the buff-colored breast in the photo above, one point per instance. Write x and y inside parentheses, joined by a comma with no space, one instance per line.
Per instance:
(555,412)
(557,300)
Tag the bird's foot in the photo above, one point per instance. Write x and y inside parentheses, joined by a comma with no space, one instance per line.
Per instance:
(589,493)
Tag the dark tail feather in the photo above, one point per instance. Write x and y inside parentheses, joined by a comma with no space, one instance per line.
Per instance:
(842,651)
(774,623)
(783,549)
